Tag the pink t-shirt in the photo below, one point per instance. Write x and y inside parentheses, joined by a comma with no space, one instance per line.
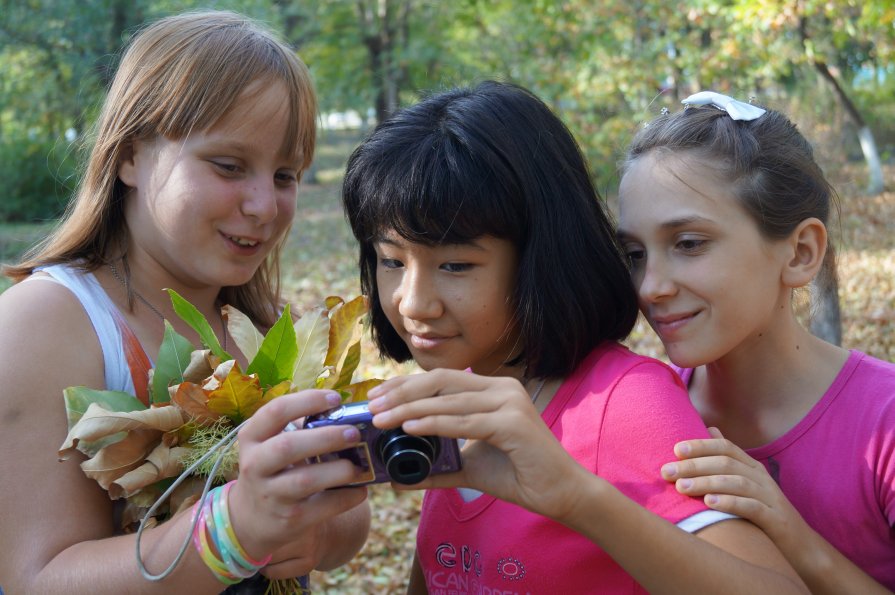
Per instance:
(618,415)
(837,465)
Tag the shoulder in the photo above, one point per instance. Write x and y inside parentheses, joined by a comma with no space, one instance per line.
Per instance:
(39,300)
(613,365)
(45,330)
(869,380)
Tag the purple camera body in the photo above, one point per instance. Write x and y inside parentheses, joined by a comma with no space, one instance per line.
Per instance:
(387,455)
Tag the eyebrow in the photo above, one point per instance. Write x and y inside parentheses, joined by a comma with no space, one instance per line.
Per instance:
(224,144)
(399,243)
(671,224)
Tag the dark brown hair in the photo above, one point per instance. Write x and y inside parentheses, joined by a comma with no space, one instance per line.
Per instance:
(767,161)
(494,160)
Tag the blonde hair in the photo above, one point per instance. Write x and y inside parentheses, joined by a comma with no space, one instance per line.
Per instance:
(180,74)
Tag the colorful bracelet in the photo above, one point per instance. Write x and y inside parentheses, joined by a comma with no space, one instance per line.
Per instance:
(200,540)
(216,541)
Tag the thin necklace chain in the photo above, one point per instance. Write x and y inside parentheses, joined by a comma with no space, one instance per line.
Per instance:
(149,305)
(537,393)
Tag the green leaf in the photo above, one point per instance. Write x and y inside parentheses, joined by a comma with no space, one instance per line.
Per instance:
(78,398)
(173,359)
(191,315)
(275,360)
(312,337)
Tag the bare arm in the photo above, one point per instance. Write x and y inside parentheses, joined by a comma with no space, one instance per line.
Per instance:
(58,532)
(514,456)
(416,585)
(742,486)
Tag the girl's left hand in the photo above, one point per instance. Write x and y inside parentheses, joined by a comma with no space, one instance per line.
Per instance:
(731,481)
(510,454)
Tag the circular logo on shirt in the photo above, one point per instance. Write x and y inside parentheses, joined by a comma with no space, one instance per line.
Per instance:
(446,555)
(511,569)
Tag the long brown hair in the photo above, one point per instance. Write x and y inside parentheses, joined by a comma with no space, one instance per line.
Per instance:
(180,74)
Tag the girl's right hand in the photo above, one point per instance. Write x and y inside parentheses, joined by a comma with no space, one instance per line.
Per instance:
(281,503)
(510,453)
(731,481)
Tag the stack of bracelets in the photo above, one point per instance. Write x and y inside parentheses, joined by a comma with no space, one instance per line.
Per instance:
(223,554)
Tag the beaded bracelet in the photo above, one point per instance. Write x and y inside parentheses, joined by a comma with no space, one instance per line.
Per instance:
(231,563)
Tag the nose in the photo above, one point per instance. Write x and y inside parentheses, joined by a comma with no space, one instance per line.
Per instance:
(418,297)
(655,280)
(260,200)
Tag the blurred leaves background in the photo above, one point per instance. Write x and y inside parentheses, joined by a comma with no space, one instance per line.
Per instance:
(604,66)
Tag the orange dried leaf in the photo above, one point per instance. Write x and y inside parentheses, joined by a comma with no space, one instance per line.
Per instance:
(113,461)
(358,391)
(238,395)
(163,462)
(200,366)
(343,328)
(194,402)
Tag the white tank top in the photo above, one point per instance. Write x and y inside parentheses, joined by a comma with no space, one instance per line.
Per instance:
(102,313)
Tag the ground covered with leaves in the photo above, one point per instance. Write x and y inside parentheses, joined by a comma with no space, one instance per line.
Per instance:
(322,260)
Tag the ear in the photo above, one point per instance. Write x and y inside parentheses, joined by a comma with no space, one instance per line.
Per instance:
(808,244)
(127,167)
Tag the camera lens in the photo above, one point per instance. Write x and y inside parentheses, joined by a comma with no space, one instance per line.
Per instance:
(407,459)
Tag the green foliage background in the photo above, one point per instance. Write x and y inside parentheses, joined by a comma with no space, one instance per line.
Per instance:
(605,66)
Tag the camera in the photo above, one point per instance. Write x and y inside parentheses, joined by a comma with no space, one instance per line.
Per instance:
(387,455)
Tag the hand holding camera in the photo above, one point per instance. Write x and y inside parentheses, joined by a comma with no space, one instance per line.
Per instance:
(387,455)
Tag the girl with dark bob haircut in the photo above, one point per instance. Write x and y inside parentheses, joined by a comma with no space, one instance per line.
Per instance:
(490,261)
(435,179)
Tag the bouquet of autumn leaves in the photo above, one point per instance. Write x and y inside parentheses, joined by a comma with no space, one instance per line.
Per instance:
(198,395)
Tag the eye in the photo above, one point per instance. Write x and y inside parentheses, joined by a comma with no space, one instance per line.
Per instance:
(635,254)
(226,167)
(286,178)
(691,245)
(456,267)
(390,263)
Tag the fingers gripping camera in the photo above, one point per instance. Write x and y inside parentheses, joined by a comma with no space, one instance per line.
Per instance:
(388,455)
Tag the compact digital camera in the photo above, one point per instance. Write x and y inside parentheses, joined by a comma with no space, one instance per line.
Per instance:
(387,455)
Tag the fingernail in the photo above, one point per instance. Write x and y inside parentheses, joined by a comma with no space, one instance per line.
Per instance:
(711,500)
(669,470)
(683,448)
(351,434)
(376,404)
(333,399)
(374,392)
(685,484)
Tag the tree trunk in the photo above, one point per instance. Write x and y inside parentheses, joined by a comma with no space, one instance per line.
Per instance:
(826,318)
(865,135)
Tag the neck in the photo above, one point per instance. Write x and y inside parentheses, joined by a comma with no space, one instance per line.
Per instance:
(761,389)
(147,281)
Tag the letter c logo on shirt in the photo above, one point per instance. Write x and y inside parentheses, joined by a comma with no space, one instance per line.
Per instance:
(446,555)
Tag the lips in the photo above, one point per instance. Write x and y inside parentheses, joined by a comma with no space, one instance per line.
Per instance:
(242,241)
(671,323)
(426,340)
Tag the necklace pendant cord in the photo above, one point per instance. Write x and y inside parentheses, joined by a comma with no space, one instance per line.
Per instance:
(156,311)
